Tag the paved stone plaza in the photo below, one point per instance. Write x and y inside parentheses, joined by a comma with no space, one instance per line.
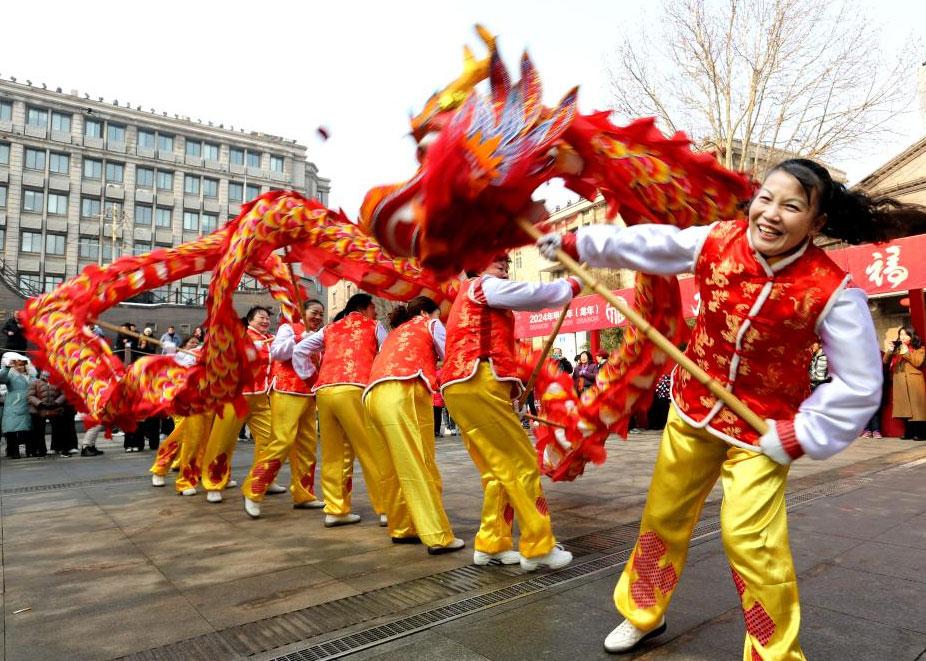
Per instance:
(97,564)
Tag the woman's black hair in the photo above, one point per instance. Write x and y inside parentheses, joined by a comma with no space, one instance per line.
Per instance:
(253,312)
(402,313)
(852,215)
(357,303)
(915,340)
(591,359)
(312,301)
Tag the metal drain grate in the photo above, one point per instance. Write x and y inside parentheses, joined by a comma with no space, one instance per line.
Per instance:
(494,587)
(74,485)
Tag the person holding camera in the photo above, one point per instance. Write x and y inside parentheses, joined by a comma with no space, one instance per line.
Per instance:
(904,358)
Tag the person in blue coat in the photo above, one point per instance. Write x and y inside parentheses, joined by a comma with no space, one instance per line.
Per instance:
(16,423)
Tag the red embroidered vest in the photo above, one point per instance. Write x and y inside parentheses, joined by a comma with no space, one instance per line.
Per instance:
(477,332)
(350,347)
(260,382)
(408,353)
(754,330)
(285,379)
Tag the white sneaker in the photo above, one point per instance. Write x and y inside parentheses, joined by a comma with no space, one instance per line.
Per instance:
(555,559)
(501,558)
(157,480)
(626,636)
(383,521)
(214,496)
(275,488)
(231,484)
(454,545)
(447,432)
(310,505)
(333,520)
(73,451)
(252,507)
(189,492)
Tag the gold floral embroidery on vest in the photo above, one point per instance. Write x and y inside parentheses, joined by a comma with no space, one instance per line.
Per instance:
(750,289)
(722,269)
(733,321)
(718,298)
(701,341)
(707,401)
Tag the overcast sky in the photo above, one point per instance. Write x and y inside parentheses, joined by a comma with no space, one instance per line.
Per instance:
(357,68)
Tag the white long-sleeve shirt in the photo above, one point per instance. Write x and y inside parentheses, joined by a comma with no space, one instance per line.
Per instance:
(515,295)
(833,415)
(304,348)
(438,337)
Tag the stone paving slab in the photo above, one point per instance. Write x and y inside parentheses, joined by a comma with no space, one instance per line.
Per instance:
(112,566)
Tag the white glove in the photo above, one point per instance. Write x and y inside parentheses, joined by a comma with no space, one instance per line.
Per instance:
(771,446)
(548,244)
(5,361)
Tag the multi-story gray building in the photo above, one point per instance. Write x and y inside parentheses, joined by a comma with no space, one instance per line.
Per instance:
(83,181)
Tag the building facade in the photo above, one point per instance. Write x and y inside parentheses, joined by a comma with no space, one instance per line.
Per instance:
(83,181)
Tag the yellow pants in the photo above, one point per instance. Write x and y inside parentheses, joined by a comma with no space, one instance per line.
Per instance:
(224,437)
(292,434)
(506,461)
(754,530)
(169,449)
(403,414)
(345,433)
(193,449)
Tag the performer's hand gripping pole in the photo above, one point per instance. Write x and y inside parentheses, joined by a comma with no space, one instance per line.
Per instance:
(728,398)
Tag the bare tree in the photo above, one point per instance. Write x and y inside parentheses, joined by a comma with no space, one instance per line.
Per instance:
(758,79)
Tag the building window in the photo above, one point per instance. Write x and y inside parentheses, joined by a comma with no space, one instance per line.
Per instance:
(210,223)
(2,197)
(194,149)
(236,156)
(253,159)
(189,294)
(276,163)
(30,242)
(93,169)
(210,151)
(6,111)
(37,117)
(146,139)
(57,204)
(54,244)
(60,122)
(143,214)
(144,178)
(29,281)
(4,153)
(162,216)
(210,187)
(235,192)
(93,128)
(114,172)
(141,249)
(88,247)
(190,185)
(115,134)
(191,221)
(59,163)
(35,160)
(52,282)
(165,180)
(90,207)
(165,143)
(33,200)
(251,191)
(108,250)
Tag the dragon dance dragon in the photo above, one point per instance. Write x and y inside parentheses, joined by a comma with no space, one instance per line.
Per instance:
(483,157)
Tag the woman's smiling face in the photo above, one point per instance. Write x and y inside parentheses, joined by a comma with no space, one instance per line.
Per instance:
(781,217)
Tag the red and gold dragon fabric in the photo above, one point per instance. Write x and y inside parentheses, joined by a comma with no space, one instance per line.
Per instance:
(482,157)
(112,393)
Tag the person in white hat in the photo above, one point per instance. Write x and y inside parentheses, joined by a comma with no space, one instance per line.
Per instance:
(16,422)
